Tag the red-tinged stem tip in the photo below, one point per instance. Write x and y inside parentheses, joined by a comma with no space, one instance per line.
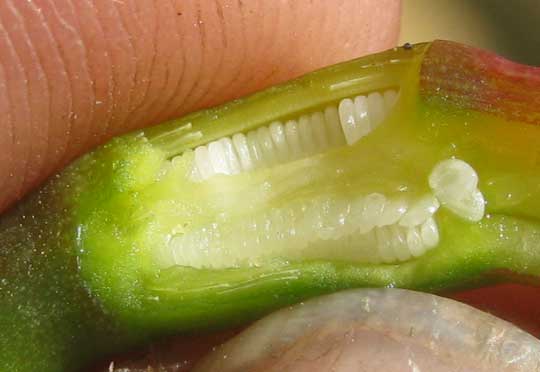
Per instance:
(478,80)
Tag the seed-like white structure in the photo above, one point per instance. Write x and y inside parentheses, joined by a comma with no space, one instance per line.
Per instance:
(429,233)
(333,126)
(277,132)
(376,108)
(455,183)
(319,131)
(230,155)
(373,227)
(399,243)
(374,207)
(255,149)
(216,152)
(414,242)
(309,229)
(240,145)
(420,211)
(384,244)
(393,210)
(264,138)
(202,162)
(345,123)
(293,139)
(349,124)
(307,140)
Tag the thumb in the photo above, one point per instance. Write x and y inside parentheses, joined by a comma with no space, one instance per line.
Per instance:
(75,73)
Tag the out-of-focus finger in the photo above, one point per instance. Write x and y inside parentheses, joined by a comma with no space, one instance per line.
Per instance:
(75,73)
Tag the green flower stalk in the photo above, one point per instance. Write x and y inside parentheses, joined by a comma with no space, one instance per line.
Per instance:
(416,168)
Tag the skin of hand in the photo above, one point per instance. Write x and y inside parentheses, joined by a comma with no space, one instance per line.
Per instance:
(74,73)
(517,303)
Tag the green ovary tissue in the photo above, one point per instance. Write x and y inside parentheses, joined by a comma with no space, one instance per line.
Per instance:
(416,168)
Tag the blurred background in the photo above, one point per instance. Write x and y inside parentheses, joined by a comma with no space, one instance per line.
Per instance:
(508,27)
